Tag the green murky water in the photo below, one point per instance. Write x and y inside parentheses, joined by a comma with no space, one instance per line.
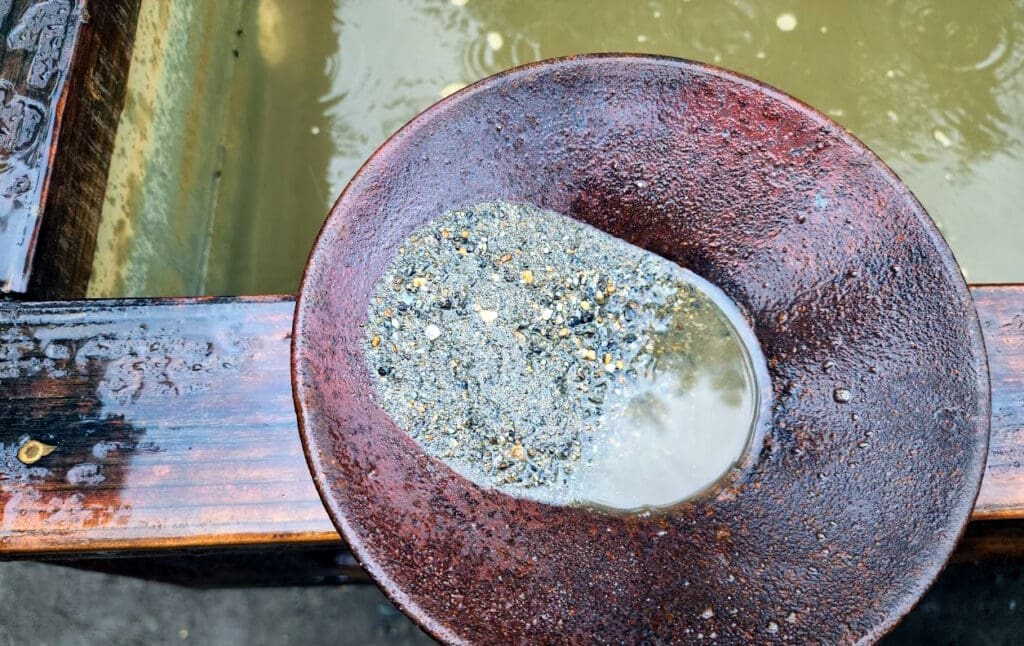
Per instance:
(935,88)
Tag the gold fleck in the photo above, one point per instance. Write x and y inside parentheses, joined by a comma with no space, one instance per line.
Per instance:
(527,276)
(464,234)
(588,354)
(517,452)
(419,282)
(33,451)
(607,359)
(376,341)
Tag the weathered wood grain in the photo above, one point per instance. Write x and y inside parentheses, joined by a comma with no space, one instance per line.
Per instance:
(1001,309)
(174,425)
(36,41)
(63,68)
(84,143)
(173,422)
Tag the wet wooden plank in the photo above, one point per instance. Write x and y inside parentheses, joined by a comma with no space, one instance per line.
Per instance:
(1001,309)
(173,422)
(174,426)
(63,69)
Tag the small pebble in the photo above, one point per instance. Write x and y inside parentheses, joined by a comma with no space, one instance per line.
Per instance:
(841,395)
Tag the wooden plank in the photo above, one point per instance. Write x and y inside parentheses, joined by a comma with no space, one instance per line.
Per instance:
(1001,309)
(174,426)
(63,68)
(173,422)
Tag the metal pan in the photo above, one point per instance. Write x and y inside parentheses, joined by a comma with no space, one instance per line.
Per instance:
(847,510)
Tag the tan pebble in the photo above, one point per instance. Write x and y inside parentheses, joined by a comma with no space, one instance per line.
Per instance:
(588,354)
(606,359)
(464,234)
(517,452)
(375,342)
(527,276)
(419,282)
(488,316)
(563,332)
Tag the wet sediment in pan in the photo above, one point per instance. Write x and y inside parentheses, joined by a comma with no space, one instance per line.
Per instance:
(539,355)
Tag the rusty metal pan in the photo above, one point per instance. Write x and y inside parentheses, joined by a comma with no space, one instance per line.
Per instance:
(850,508)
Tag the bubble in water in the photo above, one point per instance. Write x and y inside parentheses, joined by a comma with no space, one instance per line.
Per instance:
(786,22)
(495,40)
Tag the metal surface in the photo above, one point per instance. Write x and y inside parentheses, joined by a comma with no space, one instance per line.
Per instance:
(850,509)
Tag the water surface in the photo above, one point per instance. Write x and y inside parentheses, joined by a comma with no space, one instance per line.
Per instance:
(934,87)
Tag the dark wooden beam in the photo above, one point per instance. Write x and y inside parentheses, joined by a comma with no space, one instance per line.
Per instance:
(174,429)
(63,70)
(173,422)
